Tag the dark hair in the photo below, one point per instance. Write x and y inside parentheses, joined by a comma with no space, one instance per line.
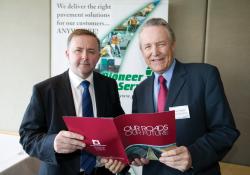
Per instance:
(79,32)
(160,22)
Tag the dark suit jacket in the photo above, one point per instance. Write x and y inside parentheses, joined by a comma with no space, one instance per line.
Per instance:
(51,100)
(210,131)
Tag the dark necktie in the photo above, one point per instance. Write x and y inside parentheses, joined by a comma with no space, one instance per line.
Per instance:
(162,95)
(87,108)
(87,160)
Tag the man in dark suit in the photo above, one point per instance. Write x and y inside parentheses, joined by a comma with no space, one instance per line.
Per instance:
(205,128)
(43,133)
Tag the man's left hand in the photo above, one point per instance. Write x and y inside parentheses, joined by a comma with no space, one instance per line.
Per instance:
(178,158)
(114,166)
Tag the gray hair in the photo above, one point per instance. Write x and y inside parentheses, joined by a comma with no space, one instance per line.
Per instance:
(163,23)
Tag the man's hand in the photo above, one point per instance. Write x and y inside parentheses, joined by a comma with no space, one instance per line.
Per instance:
(114,166)
(178,158)
(140,162)
(68,142)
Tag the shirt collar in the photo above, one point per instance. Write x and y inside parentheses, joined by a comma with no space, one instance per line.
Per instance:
(76,80)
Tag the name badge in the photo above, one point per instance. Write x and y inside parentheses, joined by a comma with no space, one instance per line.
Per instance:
(181,112)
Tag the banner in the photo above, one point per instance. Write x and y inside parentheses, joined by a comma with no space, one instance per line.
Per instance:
(116,23)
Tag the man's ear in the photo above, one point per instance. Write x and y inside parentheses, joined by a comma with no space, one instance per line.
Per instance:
(67,53)
(173,46)
(140,46)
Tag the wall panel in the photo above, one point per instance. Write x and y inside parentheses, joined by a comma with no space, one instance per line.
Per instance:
(24,55)
(228,47)
(188,20)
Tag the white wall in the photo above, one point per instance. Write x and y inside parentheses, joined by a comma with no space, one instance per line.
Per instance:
(24,55)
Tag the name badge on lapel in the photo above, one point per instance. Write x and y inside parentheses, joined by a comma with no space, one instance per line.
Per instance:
(181,112)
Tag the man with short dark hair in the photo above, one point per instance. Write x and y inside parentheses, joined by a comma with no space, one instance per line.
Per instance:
(43,133)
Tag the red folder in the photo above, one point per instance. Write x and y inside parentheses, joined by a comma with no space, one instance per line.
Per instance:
(127,136)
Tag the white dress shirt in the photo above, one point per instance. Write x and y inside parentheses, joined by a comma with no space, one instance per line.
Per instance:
(77,90)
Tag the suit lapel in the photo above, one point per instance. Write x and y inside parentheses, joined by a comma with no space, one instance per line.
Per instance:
(98,94)
(177,82)
(66,96)
(149,95)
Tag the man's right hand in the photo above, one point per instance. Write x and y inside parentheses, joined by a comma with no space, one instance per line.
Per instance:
(68,142)
(140,162)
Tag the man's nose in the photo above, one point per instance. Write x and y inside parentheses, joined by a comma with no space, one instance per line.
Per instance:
(84,55)
(155,51)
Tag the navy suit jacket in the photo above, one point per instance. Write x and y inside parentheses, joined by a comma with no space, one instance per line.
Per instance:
(210,131)
(51,100)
